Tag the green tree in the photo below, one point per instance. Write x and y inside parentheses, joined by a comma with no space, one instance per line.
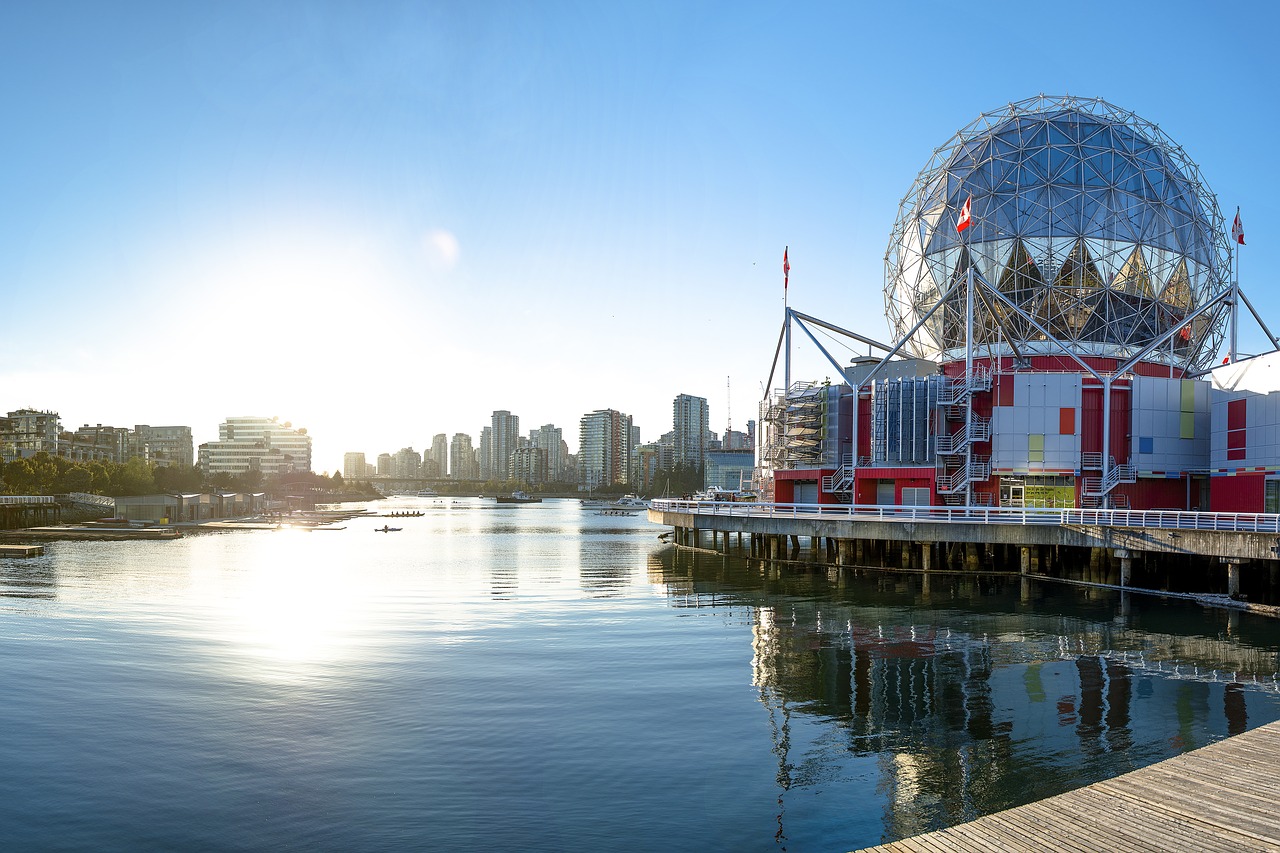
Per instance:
(77,478)
(132,478)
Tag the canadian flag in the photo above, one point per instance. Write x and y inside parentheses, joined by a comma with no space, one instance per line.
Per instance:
(1237,229)
(966,215)
(786,268)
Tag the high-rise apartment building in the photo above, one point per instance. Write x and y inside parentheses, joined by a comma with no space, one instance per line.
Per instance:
(440,454)
(353,466)
(485,454)
(462,458)
(406,464)
(505,439)
(384,465)
(256,444)
(549,438)
(529,465)
(604,455)
(690,420)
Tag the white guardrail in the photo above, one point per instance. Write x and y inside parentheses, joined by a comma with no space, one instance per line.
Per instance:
(98,500)
(1237,522)
(20,500)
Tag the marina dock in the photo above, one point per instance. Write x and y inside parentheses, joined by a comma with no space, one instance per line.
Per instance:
(21,550)
(1221,797)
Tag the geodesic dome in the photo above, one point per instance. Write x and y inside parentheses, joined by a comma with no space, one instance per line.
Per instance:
(1087,218)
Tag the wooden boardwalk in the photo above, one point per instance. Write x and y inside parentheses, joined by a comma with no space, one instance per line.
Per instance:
(1222,797)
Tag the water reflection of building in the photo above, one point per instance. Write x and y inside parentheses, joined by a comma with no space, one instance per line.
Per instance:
(970,709)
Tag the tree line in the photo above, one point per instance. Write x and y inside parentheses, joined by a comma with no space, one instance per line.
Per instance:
(46,474)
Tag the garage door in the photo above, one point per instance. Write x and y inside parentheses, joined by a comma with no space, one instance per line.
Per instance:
(806,491)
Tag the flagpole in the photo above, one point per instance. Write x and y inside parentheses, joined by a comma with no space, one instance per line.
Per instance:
(1235,284)
(786,321)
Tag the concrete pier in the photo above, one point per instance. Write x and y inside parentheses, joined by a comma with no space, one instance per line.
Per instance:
(1213,553)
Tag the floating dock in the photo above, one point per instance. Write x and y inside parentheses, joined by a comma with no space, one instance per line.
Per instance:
(102,534)
(1221,797)
(21,550)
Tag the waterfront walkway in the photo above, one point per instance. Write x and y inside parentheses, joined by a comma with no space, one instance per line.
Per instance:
(1222,797)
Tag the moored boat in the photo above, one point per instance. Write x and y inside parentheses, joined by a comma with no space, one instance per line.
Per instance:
(518,497)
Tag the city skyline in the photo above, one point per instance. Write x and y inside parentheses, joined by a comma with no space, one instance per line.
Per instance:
(361,219)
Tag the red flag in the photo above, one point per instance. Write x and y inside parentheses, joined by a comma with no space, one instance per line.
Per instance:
(966,215)
(786,268)
(1237,229)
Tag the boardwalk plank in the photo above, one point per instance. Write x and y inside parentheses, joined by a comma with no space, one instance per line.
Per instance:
(1210,820)
(1150,826)
(1175,787)
(1220,798)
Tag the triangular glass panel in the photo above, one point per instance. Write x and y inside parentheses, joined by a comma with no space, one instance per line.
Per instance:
(1134,277)
(1078,273)
(1177,291)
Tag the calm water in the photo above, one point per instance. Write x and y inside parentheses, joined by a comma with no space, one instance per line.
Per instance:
(541,678)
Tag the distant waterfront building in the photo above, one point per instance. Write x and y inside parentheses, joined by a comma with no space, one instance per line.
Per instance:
(256,444)
(729,469)
(734,440)
(604,454)
(689,422)
(353,466)
(550,440)
(96,444)
(406,464)
(529,466)
(26,432)
(648,466)
(385,465)
(485,454)
(505,439)
(462,458)
(440,454)
(163,445)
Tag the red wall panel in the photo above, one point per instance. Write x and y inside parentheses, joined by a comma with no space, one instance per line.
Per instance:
(1236,413)
(1091,421)
(1242,493)
(1150,493)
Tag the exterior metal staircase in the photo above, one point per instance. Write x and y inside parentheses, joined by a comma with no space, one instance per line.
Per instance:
(951,479)
(951,444)
(1117,474)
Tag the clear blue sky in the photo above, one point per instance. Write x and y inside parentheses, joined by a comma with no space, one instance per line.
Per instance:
(382,221)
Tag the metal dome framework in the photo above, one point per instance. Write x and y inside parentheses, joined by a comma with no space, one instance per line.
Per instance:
(1092,230)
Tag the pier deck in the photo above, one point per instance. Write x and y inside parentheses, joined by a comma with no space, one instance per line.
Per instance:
(1221,797)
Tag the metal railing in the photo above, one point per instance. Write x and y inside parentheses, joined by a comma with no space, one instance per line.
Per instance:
(96,500)
(1234,522)
(22,500)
